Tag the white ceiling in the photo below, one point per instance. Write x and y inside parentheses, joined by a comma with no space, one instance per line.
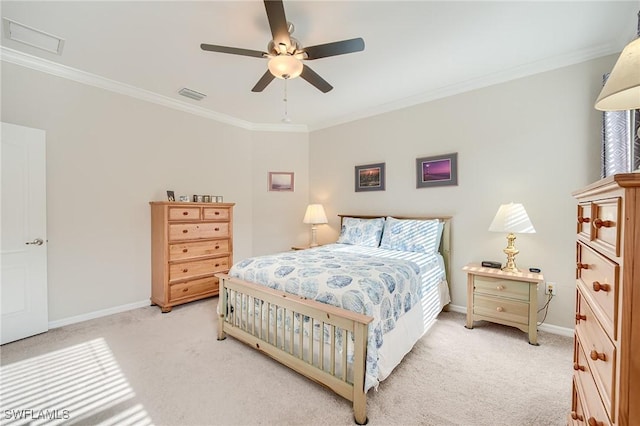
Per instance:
(415,51)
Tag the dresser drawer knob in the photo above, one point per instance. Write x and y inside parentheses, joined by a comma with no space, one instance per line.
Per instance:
(578,367)
(583,219)
(604,287)
(593,422)
(500,287)
(500,309)
(576,416)
(185,250)
(217,264)
(599,223)
(184,231)
(582,265)
(217,213)
(185,213)
(217,247)
(185,270)
(580,317)
(216,229)
(595,355)
(186,289)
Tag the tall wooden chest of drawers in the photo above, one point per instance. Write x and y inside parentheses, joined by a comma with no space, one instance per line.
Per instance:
(606,362)
(190,242)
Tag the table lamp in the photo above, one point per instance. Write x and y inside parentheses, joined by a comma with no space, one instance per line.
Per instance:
(511,218)
(314,215)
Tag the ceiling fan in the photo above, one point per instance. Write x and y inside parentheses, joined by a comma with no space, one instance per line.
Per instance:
(286,54)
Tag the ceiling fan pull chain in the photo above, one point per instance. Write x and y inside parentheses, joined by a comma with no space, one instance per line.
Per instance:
(286,118)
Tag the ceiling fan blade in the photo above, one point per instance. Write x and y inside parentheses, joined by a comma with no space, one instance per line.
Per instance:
(232,50)
(317,81)
(263,82)
(277,22)
(335,48)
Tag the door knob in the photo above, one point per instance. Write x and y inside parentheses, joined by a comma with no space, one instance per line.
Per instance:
(36,242)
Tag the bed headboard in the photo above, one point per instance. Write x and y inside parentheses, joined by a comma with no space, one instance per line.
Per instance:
(445,242)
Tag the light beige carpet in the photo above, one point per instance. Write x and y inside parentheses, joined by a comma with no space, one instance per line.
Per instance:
(143,367)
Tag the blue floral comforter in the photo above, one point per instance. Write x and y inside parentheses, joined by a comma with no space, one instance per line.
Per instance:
(382,288)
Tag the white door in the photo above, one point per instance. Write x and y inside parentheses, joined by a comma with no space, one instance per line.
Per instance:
(23,238)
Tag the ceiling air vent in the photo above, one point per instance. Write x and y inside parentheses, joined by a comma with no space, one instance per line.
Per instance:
(24,34)
(192,94)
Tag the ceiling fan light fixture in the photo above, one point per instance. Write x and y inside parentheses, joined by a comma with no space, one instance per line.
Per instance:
(285,67)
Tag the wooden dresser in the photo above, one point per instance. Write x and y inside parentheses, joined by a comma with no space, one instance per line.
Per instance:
(190,242)
(606,360)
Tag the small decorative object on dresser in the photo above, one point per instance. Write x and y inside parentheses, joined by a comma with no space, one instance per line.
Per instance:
(508,298)
(189,244)
(606,358)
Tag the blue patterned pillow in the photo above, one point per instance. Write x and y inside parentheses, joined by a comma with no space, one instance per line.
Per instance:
(361,232)
(422,236)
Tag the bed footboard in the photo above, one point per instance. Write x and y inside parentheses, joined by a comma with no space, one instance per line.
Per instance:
(322,342)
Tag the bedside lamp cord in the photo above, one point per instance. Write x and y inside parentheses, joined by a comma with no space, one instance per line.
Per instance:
(545,308)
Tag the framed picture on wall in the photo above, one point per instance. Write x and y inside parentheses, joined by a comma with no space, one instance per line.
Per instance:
(281,181)
(440,170)
(370,177)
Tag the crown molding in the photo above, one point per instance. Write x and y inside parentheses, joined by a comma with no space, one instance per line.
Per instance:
(503,76)
(43,65)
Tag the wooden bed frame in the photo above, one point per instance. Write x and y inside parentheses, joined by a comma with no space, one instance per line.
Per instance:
(277,341)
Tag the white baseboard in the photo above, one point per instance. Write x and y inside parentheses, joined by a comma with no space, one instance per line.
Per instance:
(98,314)
(549,328)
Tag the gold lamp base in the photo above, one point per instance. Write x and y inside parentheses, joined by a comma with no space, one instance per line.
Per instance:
(511,252)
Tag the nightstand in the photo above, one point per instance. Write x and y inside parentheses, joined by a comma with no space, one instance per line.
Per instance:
(508,298)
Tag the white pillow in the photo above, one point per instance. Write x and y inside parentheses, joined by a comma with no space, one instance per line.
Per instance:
(361,232)
(422,236)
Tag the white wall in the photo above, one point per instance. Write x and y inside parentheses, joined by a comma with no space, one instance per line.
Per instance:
(108,155)
(533,141)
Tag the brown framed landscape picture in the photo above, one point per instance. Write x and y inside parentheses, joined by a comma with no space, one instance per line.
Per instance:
(440,170)
(281,181)
(370,177)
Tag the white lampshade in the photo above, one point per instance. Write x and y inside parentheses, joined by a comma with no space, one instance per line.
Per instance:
(622,89)
(512,218)
(315,214)
(285,66)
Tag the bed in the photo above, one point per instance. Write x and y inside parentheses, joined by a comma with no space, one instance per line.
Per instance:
(343,314)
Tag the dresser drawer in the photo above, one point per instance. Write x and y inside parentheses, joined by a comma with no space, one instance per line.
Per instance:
(185,270)
(584,377)
(190,250)
(599,277)
(184,213)
(605,225)
(194,231)
(584,221)
(193,288)
(215,213)
(586,407)
(501,309)
(599,350)
(502,288)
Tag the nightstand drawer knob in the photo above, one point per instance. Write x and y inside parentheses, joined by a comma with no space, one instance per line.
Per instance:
(604,287)
(580,317)
(576,416)
(593,422)
(578,367)
(500,309)
(500,287)
(595,355)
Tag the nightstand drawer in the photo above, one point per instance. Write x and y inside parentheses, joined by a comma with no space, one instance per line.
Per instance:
(502,288)
(504,309)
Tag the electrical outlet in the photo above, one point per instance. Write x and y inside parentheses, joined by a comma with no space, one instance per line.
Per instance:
(550,288)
